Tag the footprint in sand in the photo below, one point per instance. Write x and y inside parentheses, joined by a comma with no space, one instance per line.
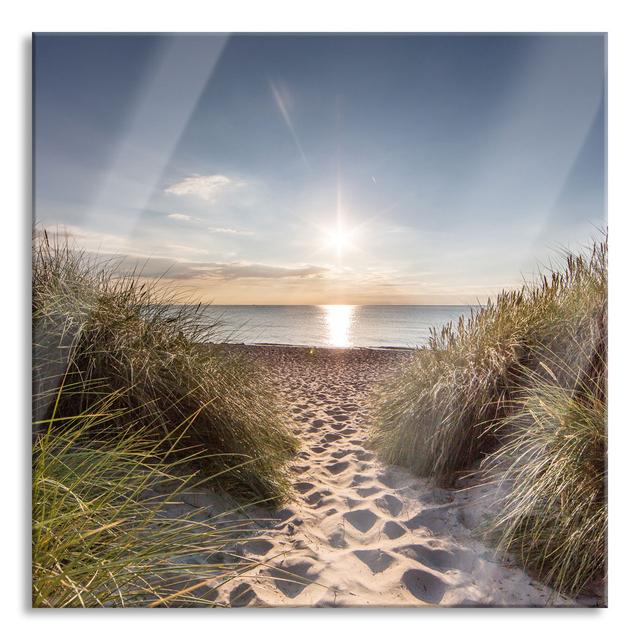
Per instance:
(430,519)
(242,595)
(304,487)
(316,496)
(284,514)
(336,540)
(424,585)
(257,547)
(292,578)
(390,504)
(337,467)
(375,559)
(365,492)
(393,530)
(435,557)
(362,519)
(360,478)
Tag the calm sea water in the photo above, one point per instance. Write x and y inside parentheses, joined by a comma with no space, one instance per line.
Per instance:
(332,325)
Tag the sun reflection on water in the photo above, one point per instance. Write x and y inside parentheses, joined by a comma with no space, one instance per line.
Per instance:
(338,319)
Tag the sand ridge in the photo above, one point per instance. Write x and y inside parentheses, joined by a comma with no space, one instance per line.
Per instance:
(359,532)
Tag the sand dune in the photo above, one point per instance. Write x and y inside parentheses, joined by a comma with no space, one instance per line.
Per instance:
(361,533)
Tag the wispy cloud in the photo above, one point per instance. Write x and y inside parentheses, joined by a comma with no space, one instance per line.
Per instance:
(231,232)
(153,267)
(182,248)
(227,231)
(88,240)
(126,260)
(205,187)
(242,270)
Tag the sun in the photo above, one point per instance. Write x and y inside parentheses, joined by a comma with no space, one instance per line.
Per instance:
(338,239)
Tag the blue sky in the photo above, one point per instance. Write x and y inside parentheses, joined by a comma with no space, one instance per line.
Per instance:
(323,169)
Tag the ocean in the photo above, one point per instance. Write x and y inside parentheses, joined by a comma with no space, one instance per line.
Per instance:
(345,326)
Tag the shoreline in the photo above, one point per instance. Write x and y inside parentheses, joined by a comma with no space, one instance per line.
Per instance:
(318,347)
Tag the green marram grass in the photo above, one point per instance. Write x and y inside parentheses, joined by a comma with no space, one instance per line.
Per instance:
(104,532)
(550,474)
(519,387)
(121,334)
(132,412)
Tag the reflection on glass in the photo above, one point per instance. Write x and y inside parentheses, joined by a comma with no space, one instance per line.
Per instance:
(338,319)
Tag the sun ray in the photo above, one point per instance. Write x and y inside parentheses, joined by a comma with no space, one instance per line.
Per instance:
(284,112)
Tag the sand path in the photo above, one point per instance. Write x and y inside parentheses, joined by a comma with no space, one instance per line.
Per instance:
(359,532)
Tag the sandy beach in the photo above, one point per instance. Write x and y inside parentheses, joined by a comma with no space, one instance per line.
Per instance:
(359,532)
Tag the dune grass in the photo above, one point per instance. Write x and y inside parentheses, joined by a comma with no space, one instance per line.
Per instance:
(105,333)
(550,477)
(133,409)
(105,529)
(521,387)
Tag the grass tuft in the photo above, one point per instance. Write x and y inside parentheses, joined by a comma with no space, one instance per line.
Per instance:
(97,332)
(550,476)
(521,387)
(109,526)
(134,409)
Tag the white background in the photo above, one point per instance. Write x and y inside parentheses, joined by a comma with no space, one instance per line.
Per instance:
(616,18)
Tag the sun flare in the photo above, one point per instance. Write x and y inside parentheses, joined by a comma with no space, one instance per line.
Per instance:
(339,239)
